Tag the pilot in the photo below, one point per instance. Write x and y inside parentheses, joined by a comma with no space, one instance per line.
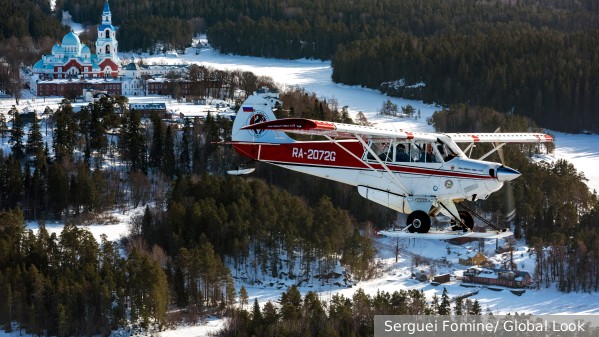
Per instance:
(400,154)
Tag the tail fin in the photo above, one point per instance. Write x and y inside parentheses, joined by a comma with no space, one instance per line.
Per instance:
(256,109)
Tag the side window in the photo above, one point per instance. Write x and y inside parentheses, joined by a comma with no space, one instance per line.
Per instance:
(424,153)
(402,152)
(381,149)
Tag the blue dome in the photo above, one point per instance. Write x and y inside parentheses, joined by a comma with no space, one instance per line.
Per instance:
(57,49)
(85,50)
(132,66)
(71,39)
(39,65)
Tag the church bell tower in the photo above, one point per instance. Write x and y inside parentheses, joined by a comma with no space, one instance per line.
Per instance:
(107,45)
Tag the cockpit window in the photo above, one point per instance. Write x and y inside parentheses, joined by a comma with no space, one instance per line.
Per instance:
(409,152)
(381,150)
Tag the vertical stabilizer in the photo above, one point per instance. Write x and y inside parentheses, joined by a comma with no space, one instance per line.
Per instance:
(258,108)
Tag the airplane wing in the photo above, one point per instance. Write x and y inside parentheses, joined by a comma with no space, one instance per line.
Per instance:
(337,130)
(521,137)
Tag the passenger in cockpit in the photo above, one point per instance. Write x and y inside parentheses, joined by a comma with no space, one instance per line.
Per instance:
(428,156)
(400,153)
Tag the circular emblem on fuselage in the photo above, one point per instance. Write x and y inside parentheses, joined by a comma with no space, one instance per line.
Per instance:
(256,118)
(448,183)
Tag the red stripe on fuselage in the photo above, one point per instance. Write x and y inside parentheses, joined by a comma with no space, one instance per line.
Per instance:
(327,154)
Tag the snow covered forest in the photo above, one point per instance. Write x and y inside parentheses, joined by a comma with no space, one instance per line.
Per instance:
(199,234)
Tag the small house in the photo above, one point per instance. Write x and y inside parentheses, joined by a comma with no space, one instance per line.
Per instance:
(443,278)
(474,259)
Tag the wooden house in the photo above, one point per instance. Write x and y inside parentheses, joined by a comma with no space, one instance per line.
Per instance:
(443,278)
(474,259)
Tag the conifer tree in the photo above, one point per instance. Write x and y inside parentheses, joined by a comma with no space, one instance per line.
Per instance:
(256,326)
(65,132)
(445,306)
(84,124)
(230,289)
(291,301)
(3,127)
(12,183)
(133,142)
(434,308)
(475,309)
(58,189)
(97,130)
(184,155)
(243,296)
(458,306)
(17,133)
(168,161)
(35,142)
(270,314)
(157,149)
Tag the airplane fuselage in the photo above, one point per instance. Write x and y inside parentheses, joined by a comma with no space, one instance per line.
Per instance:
(349,162)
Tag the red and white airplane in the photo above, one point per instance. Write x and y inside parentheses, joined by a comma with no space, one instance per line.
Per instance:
(420,174)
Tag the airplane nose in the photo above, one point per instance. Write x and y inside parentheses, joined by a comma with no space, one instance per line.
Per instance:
(506,174)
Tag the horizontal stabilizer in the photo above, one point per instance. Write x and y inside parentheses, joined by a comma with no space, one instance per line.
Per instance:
(239,172)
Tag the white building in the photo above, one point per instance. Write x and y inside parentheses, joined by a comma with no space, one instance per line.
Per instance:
(73,60)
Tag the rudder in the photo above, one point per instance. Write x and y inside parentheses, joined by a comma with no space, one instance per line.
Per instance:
(258,108)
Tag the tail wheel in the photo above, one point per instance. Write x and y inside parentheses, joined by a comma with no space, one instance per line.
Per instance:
(419,222)
(466,220)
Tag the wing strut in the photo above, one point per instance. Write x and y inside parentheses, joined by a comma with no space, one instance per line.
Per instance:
(393,178)
(469,148)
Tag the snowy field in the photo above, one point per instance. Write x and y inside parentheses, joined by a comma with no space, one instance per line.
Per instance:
(315,76)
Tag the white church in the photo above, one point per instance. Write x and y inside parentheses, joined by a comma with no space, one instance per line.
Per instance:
(72,68)
(73,59)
